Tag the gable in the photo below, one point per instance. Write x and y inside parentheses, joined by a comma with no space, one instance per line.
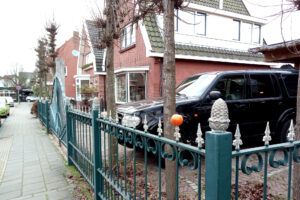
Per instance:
(94,35)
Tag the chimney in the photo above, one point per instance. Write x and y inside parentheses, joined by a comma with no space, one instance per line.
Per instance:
(221,4)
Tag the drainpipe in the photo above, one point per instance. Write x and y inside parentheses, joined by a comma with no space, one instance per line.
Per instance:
(161,71)
(104,83)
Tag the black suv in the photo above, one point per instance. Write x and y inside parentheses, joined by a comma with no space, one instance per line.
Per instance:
(253,97)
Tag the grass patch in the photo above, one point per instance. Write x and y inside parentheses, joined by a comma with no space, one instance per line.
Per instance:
(82,190)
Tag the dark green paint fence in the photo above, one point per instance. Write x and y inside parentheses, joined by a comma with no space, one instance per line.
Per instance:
(43,113)
(89,139)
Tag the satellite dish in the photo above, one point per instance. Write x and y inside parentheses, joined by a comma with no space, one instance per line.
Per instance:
(75,52)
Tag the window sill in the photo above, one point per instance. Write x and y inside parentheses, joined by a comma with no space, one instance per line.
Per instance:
(127,48)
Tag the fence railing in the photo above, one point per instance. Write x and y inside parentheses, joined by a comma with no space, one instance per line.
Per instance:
(43,113)
(131,172)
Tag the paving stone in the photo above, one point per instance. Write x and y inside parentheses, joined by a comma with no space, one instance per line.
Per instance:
(56,185)
(10,188)
(11,195)
(57,195)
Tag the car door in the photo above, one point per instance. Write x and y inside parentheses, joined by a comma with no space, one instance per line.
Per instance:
(233,89)
(265,103)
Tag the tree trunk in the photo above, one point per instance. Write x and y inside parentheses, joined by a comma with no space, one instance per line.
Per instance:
(169,91)
(45,82)
(40,87)
(296,172)
(110,80)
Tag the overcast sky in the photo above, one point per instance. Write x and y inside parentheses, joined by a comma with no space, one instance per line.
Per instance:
(23,23)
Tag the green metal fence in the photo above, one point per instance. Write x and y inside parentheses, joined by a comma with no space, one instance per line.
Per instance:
(216,169)
(43,113)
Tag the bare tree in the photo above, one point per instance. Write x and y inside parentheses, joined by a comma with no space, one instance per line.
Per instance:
(117,15)
(169,79)
(52,29)
(41,65)
(14,78)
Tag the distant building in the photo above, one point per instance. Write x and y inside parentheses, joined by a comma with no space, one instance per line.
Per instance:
(68,52)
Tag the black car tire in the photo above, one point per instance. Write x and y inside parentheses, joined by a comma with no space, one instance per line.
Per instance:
(284,130)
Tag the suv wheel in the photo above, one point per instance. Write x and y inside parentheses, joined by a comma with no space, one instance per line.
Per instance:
(285,130)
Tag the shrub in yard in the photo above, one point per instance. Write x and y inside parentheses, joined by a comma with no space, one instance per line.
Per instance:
(34,109)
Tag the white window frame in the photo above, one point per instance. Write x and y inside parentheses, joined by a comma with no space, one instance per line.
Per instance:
(242,31)
(259,33)
(194,24)
(239,30)
(128,36)
(127,85)
(78,80)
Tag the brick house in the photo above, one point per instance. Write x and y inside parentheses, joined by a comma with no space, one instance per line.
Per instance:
(218,38)
(68,52)
(90,77)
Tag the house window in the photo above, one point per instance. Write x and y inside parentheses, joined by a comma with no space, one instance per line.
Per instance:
(128,36)
(256,33)
(200,23)
(188,22)
(66,70)
(81,87)
(121,88)
(250,33)
(137,86)
(130,87)
(247,32)
(89,58)
(237,30)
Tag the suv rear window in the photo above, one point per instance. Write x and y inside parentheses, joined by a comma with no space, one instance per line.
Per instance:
(262,86)
(291,83)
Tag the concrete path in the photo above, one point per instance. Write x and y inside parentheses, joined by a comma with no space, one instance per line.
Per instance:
(32,166)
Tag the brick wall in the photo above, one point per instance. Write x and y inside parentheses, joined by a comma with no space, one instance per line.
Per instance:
(65,52)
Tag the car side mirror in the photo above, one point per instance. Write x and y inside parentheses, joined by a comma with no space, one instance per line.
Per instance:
(214,95)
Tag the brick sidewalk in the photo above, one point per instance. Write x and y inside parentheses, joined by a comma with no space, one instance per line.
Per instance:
(35,169)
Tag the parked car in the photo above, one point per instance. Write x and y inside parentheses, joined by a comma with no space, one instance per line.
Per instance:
(31,98)
(4,107)
(253,97)
(10,101)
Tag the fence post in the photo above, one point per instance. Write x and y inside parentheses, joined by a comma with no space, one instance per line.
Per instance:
(47,116)
(97,149)
(218,154)
(69,135)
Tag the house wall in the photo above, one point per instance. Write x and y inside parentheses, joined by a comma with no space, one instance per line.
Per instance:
(186,68)
(136,56)
(65,52)
(219,31)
